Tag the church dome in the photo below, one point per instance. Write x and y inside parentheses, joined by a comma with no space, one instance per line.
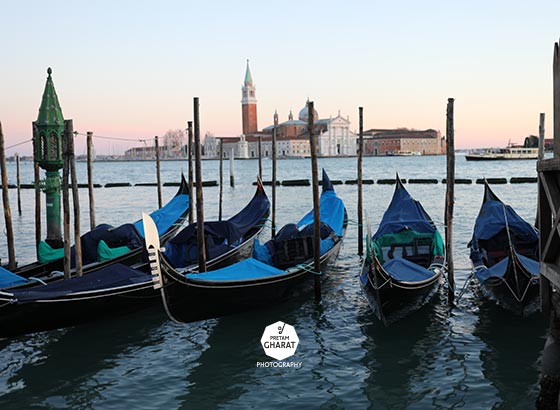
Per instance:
(303,114)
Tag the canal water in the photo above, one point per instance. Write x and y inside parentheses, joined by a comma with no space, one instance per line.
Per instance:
(473,356)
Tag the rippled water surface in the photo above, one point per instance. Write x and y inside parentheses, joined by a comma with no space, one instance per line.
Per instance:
(473,356)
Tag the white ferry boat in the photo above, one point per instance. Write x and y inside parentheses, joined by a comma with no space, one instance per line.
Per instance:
(509,153)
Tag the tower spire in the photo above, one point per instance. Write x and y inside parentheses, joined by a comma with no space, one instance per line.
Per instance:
(249,104)
(248,76)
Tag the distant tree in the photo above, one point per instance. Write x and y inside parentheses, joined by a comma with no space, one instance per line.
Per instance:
(531,141)
(173,141)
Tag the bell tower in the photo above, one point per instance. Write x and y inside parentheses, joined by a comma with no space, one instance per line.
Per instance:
(249,104)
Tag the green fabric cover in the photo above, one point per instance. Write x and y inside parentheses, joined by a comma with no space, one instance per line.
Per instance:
(47,254)
(104,252)
(407,236)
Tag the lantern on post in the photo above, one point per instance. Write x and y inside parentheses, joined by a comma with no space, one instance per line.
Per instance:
(49,136)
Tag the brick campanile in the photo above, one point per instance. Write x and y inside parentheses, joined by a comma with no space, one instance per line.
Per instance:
(249,104)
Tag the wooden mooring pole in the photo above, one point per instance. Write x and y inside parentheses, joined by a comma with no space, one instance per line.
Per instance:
(231,177)
(37,181)
(191,179)
(199,198)
(541,136)
(90,179)
(450,200)
(221,151)
(6,203)
(273,217)
(18,182)
(316,204)
(75,199)
(260,156)
(158,172)
(66,199)
(360,212)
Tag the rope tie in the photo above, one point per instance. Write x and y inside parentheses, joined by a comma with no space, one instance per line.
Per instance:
(307,268)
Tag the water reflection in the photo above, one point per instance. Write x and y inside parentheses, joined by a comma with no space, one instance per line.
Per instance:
(511,356)
(397,355)
(62,368)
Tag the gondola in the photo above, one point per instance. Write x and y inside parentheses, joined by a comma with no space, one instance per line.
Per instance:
(265,277)
(405,259)
(504,251)
(103,245)
(114,289)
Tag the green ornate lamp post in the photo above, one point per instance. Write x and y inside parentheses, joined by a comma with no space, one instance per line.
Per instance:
(50,134)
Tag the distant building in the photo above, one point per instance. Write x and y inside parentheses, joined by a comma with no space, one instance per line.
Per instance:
(403,141)
(292,138)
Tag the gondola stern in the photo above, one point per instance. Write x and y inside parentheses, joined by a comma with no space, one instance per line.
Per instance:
(489,195)
(327,184)
(183,186)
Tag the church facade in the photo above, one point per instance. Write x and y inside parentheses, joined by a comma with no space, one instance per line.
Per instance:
(292,136)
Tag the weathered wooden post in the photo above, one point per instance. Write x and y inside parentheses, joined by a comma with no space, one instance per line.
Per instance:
(360,212)
(66,203)
(90,179)
(450,200)
(316,203)
(260,156)
(199,197)
(273,221)
(231,177)
(6,203)
(69,125)
(191,179)
(158,173)
(221,152)
(37,181)
(18,184)
(549,244)
(541,136)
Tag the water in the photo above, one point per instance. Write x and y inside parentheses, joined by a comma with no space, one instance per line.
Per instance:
(471,357)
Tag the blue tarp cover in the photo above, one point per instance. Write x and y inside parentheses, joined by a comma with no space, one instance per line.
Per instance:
(405,271)
(491,221)
(165,217)
(332,212)
(220,236)
(8,279)
(245,270)
(109,277)
(404,213)
(499,269)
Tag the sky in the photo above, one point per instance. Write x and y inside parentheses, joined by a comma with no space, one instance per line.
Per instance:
(130,69)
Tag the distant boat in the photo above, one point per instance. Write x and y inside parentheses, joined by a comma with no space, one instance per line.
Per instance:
(408,153)
(508,153)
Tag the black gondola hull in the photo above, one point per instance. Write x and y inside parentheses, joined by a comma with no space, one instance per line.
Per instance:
(194,300)
(392,300)
(22,318)
(498,292)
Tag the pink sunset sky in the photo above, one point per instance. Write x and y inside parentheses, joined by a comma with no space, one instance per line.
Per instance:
(130,69)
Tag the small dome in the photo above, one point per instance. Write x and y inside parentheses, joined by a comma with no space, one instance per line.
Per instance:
(303,114)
